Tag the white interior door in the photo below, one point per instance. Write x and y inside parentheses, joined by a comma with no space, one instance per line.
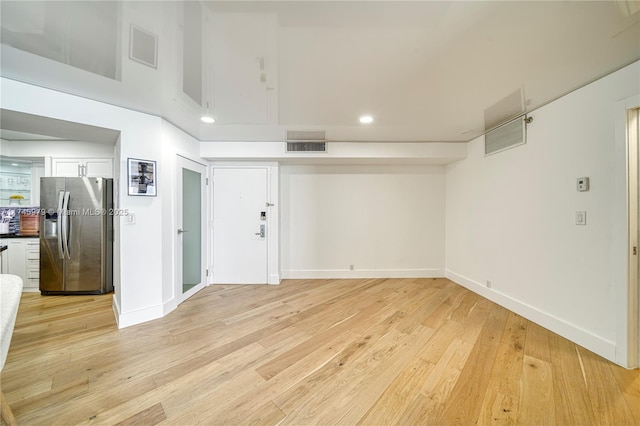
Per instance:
(240,225)
(191,228)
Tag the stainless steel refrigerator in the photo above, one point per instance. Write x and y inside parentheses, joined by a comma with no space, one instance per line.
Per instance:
(76,235)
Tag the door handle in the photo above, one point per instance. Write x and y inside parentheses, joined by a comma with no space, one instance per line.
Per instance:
(63,229)
(67,225)
(181,231)
(262,232)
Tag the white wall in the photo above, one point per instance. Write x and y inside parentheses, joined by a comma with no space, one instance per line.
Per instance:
(138,283)
(511,217)
(387,221)
(60,149)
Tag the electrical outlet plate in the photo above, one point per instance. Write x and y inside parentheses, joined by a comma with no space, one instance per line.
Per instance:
(581,218)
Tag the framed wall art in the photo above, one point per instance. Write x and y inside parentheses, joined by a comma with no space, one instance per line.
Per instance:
(142,176)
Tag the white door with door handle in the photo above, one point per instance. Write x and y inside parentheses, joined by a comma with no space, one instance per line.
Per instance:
(240,225)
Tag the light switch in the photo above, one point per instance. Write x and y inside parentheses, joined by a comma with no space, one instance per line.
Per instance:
(583,184)
(581,218)
(130,219)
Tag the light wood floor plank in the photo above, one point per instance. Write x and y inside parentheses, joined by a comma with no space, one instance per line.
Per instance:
(536,405)
(465,401)
(308,352)
(572,401)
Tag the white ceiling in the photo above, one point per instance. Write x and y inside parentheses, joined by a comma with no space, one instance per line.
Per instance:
(426,70)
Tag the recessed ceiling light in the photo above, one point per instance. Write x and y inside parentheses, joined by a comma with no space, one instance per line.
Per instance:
(14,164)
(207,119)
(366,119)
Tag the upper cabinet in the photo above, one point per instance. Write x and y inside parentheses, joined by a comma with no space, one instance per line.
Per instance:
(82,167)
(19,179)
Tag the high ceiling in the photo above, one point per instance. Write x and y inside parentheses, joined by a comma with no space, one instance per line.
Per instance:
(425,70)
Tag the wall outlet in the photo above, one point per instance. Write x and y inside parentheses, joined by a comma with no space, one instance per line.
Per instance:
(488,284)
(581,218)
(351,267)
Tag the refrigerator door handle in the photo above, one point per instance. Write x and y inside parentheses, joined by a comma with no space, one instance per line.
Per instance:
(67,225)
(62,225)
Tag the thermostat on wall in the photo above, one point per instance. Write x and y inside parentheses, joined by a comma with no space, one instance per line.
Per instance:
(583,184)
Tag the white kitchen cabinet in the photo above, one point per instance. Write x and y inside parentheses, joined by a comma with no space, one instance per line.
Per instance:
(22,258)
(89,167)
(37,171)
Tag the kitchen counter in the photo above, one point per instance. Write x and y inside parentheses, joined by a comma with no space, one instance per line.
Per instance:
(19,235)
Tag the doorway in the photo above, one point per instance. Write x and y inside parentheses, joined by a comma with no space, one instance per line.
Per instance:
(191,228)
(241,225)
(633,170)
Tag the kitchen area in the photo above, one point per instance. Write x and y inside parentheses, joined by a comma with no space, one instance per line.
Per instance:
(22,216)
(19,219)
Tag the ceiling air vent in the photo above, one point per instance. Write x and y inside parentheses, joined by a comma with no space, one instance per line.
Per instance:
(143,47)
(306,141)
(509,135)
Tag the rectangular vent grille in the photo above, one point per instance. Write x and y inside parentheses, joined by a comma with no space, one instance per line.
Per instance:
(306,141)
(509,135)
(143,46)
(306,147)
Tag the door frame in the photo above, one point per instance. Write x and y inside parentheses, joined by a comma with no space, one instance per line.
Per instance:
(633,195)
(626,287)
(206,230)
(273,217)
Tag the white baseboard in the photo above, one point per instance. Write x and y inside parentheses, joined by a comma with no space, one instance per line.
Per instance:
(309,274)
(274,279)
(136,317)
(602,347)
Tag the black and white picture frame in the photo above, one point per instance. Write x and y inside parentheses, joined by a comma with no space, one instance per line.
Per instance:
(142,177)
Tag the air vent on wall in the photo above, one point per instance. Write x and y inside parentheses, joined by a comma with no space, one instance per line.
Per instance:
(143,47)
(306,141)
(507,136)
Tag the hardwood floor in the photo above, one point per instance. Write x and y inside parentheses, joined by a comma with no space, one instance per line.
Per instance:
(308,352)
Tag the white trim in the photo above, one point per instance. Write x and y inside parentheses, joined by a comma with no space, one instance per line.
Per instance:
(597,344)
(361,273)
(633,331)
(620,234)
(274,279)
(169,306)
(136,317)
